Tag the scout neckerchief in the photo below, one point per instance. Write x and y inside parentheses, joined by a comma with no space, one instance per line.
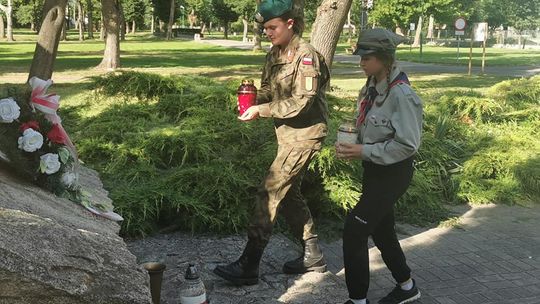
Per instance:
(367,102)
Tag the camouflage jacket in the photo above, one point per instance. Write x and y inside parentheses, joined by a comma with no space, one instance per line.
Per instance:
(293,93)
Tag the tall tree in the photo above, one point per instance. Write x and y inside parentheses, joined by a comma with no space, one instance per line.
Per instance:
(203,11)
(171,20)
(2,27)
(90,17)
(80,20)
(257,31)
(331,16)
(246,10)
(134,12)
(223,10)
(111,22)
(28,13)
(8,10)
(48,39)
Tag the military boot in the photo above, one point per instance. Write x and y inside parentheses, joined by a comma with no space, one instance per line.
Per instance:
(244,271)
(312,259)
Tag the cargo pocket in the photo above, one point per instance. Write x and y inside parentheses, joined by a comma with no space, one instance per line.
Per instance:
(295,160)
(381,126)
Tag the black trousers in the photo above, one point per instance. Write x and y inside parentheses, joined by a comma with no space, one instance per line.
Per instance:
(374,215)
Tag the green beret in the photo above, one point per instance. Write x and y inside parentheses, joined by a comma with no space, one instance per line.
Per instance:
(270,9)
(377,40)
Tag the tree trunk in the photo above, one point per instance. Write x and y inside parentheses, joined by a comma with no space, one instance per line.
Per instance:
(81,20)
(226,30)
(111,21)
(101,28)
(256,37)
(349,27)
(257,33)
(331,16)
(63,36)
(246,28)
(90,17)
(298,9)
(123,23)
(416,42)
(8,10)
(203,27)
(431,26)
(399,31)
(127,27)
(133,27)
(153,21)
(161,26)
(2,27)
(171,21)
(48,39)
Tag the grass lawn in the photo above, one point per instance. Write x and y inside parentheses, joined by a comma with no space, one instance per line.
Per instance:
(143,52)
(448,55)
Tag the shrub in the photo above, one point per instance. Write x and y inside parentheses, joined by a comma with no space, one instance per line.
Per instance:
(172,153)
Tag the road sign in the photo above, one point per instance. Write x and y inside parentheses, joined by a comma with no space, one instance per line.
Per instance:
(460,24)
(460,33)
(480,31)
(412,26)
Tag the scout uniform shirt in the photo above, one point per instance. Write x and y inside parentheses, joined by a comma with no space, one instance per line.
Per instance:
(293,93)
(392,128)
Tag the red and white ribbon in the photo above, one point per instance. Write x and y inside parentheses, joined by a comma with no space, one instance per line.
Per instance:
(48,104)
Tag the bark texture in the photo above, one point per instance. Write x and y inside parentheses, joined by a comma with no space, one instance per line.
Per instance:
(331,16)
(171,21)
(48,39)
(111,21)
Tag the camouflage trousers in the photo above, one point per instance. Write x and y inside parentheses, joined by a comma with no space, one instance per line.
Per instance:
(280,191)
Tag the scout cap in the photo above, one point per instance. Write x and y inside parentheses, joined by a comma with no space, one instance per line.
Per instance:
(377,40)
(269,9)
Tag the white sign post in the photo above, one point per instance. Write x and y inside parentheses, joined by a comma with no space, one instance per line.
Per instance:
(412,27)
(460,25)
(480,34)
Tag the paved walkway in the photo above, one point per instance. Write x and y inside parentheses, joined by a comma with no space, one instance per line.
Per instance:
(412,67)
(491,256)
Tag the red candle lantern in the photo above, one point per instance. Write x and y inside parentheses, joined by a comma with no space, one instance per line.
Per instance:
(247,95)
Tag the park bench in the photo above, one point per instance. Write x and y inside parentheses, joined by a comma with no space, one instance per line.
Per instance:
(184,31)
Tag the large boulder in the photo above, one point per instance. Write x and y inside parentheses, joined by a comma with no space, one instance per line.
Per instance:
(54,251)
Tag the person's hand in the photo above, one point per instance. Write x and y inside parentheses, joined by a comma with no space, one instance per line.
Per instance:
(348,151)
(250,114)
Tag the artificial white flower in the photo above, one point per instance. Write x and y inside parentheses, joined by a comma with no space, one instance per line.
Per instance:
(9,110)
(31,140)
(49,163)
(69,178)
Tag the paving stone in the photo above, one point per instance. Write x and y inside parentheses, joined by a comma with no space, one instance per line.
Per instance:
(492,260)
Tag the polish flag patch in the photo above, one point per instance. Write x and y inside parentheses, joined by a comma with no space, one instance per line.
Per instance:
(307,61)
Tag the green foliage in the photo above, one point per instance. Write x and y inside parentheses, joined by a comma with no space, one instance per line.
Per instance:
(172,161)
(171,152)
(501,153)
(135,10)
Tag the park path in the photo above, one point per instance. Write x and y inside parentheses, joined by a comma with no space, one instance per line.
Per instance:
(411,67)
(490,256)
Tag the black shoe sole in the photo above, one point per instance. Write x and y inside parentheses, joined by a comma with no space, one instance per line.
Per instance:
(319,269)
(235,280)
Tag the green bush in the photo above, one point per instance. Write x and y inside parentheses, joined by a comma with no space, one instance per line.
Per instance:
(172,153)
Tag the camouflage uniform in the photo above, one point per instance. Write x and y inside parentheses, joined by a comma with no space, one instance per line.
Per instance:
(293,93)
